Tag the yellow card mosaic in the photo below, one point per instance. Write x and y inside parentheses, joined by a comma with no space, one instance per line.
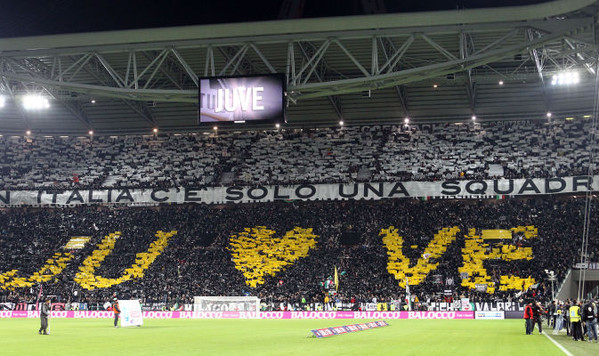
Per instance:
(258,253)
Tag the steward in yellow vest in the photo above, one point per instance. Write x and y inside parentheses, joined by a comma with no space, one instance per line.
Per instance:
(575,319)
(575,313)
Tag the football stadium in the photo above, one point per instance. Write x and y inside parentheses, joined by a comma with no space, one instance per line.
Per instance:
(377,182)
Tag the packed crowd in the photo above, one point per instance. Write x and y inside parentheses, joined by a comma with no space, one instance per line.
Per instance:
(198,261)
(529,149)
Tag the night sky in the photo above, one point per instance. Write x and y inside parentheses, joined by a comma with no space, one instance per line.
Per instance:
(36,18)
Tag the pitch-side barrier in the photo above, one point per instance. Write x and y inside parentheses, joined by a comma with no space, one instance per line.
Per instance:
(253,315)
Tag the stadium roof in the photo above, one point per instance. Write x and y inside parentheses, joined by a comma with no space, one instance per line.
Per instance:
(441,66)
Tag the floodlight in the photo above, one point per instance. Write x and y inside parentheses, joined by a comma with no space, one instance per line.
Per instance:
(35,102)
(565,78)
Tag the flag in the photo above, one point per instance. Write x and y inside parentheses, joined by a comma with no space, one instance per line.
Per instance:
(336,279)
(39,295)
(408,299)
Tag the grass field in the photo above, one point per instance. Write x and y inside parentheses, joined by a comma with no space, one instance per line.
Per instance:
(279,337)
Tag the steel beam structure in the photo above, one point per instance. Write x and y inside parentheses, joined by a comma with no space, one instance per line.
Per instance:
(156,78)
(318,61)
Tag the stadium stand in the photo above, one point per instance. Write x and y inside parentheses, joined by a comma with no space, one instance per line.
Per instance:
(298,249)
(529,149)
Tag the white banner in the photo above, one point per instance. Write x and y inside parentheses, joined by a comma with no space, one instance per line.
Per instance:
(255,194)
(465,304)
(589,265)
(131,313)
(489,315)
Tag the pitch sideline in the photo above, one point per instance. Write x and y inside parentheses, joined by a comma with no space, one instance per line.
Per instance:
(568,353)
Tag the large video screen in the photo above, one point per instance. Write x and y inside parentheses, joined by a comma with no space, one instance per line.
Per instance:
(252,99)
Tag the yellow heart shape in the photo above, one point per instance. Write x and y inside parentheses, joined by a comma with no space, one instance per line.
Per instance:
(257,252)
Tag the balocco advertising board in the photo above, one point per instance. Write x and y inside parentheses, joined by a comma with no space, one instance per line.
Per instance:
(254,315)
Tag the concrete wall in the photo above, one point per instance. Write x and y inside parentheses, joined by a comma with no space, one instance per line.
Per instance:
(569,289)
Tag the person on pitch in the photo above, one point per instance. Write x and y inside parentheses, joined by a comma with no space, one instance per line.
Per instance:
(528,314)
(537,315)
(589,316)
(44,313)
(117,311)
(575,319)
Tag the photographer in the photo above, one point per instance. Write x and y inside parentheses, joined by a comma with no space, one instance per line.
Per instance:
(537,317)
(589,316)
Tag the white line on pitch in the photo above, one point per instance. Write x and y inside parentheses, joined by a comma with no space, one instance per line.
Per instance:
(558,345)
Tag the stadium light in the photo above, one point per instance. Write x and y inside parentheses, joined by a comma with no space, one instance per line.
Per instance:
(93,101)
(215,128)
(501,82)
(2,100)
(28,132)
(35,102)
(565,78)
(155,130)
(277,125)
(549,115)
(473,117)
(91,132)
(406,120)
(341,123)
(435,86)
(552,277)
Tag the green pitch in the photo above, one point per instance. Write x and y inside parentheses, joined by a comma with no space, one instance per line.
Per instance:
(278,337)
